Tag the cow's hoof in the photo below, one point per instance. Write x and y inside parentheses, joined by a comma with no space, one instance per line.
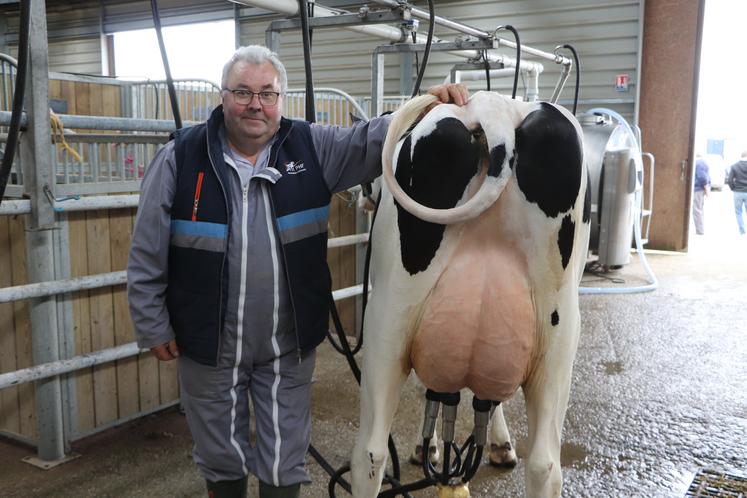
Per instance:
(503,456)
(417,456)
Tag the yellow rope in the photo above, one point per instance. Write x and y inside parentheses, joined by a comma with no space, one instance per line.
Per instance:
(58,135)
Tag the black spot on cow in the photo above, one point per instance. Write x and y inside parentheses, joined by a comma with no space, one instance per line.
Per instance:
(565,239)
(512,160)
(549,160)
(497,156)
(587,200)
(442,165)
(555,318)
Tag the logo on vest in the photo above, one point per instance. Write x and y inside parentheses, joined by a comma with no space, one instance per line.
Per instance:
(293,167)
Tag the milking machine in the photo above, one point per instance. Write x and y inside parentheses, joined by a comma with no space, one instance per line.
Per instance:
(466,458)
(616,180)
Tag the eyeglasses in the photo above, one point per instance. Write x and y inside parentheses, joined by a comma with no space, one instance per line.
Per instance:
(244,97)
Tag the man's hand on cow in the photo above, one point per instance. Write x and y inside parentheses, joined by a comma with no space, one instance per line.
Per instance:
(167,351)
(452,93)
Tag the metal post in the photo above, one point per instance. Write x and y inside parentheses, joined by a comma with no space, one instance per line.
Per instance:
(40,223)
(272,40)
(406,75)
(377,82)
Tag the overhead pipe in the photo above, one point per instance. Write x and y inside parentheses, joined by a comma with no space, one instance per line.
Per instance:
(396,35)
(463,28)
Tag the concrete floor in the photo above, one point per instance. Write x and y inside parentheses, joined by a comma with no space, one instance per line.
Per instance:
(659,391)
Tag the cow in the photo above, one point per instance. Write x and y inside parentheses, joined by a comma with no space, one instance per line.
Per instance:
(478,248)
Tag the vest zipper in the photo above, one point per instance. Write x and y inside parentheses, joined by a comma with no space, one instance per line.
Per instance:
(225,253)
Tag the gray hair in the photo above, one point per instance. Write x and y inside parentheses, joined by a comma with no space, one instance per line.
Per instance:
(256,54)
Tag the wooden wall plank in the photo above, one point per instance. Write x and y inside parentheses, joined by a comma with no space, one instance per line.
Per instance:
(120,228)
(168,381)
(82,321)
(347,267)
(22,320)
(9,416)
(67,91)
(102,316)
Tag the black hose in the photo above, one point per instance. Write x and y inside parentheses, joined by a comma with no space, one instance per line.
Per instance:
(578,75)
(487,69)
(167,70)
(428,41)
(305,34)
(518,56)
(18,94)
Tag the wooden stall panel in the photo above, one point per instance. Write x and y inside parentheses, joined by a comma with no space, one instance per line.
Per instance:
(22,314)
(22,326)
(8,397)
(82,321)
(342,259)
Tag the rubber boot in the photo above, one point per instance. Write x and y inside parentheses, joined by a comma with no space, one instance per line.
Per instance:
(268,491)
(227,489)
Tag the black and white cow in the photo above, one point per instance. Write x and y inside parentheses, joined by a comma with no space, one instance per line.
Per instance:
(478,248)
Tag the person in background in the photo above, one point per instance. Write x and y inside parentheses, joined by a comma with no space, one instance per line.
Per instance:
(702,187)
(737,181)
(227,270)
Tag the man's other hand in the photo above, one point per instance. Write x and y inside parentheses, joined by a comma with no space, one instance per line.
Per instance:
(452,93)
(167,351)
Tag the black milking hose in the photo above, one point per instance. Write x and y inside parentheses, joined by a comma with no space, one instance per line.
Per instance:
(167,70)
(18,94)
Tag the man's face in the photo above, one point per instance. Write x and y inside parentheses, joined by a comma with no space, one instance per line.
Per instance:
(252,121)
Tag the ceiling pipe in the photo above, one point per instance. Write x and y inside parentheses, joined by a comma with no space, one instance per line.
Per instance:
(395,35)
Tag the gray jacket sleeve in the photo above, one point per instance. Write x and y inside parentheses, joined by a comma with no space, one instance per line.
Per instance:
(350,155)
(147,266)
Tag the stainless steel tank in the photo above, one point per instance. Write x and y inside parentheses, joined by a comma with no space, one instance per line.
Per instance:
(615,175)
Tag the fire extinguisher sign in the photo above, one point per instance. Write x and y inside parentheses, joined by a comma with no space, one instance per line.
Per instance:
(621,82)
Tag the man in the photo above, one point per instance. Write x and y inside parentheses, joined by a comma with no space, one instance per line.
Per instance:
(702,187)
(227,270)
(737,181)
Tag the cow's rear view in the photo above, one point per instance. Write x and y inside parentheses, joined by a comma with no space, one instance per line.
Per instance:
(478,247)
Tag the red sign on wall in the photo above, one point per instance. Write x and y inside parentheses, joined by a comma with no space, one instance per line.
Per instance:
(621,82)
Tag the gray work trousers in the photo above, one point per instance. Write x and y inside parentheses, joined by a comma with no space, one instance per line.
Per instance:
(216,401)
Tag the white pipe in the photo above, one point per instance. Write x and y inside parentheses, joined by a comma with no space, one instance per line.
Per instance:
(347,240)
(478,74)
(60,367)
(463,28)
(290,8)
(97,202)
(54,287)
(15,207)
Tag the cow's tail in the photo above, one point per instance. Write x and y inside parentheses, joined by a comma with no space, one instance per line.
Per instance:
(486,195)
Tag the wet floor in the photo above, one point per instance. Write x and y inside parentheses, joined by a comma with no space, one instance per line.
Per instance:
(659,391)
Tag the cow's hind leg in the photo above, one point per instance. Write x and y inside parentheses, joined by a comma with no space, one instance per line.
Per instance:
(383,376)
(546,395)
(502,453)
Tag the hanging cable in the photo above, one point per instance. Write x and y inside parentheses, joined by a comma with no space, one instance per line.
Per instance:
(518,55)
(305,34)
(428,41)
(487,68)
(18,93)
(578,73)
(167,70)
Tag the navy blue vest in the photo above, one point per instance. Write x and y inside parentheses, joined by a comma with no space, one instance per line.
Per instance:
(200,227)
